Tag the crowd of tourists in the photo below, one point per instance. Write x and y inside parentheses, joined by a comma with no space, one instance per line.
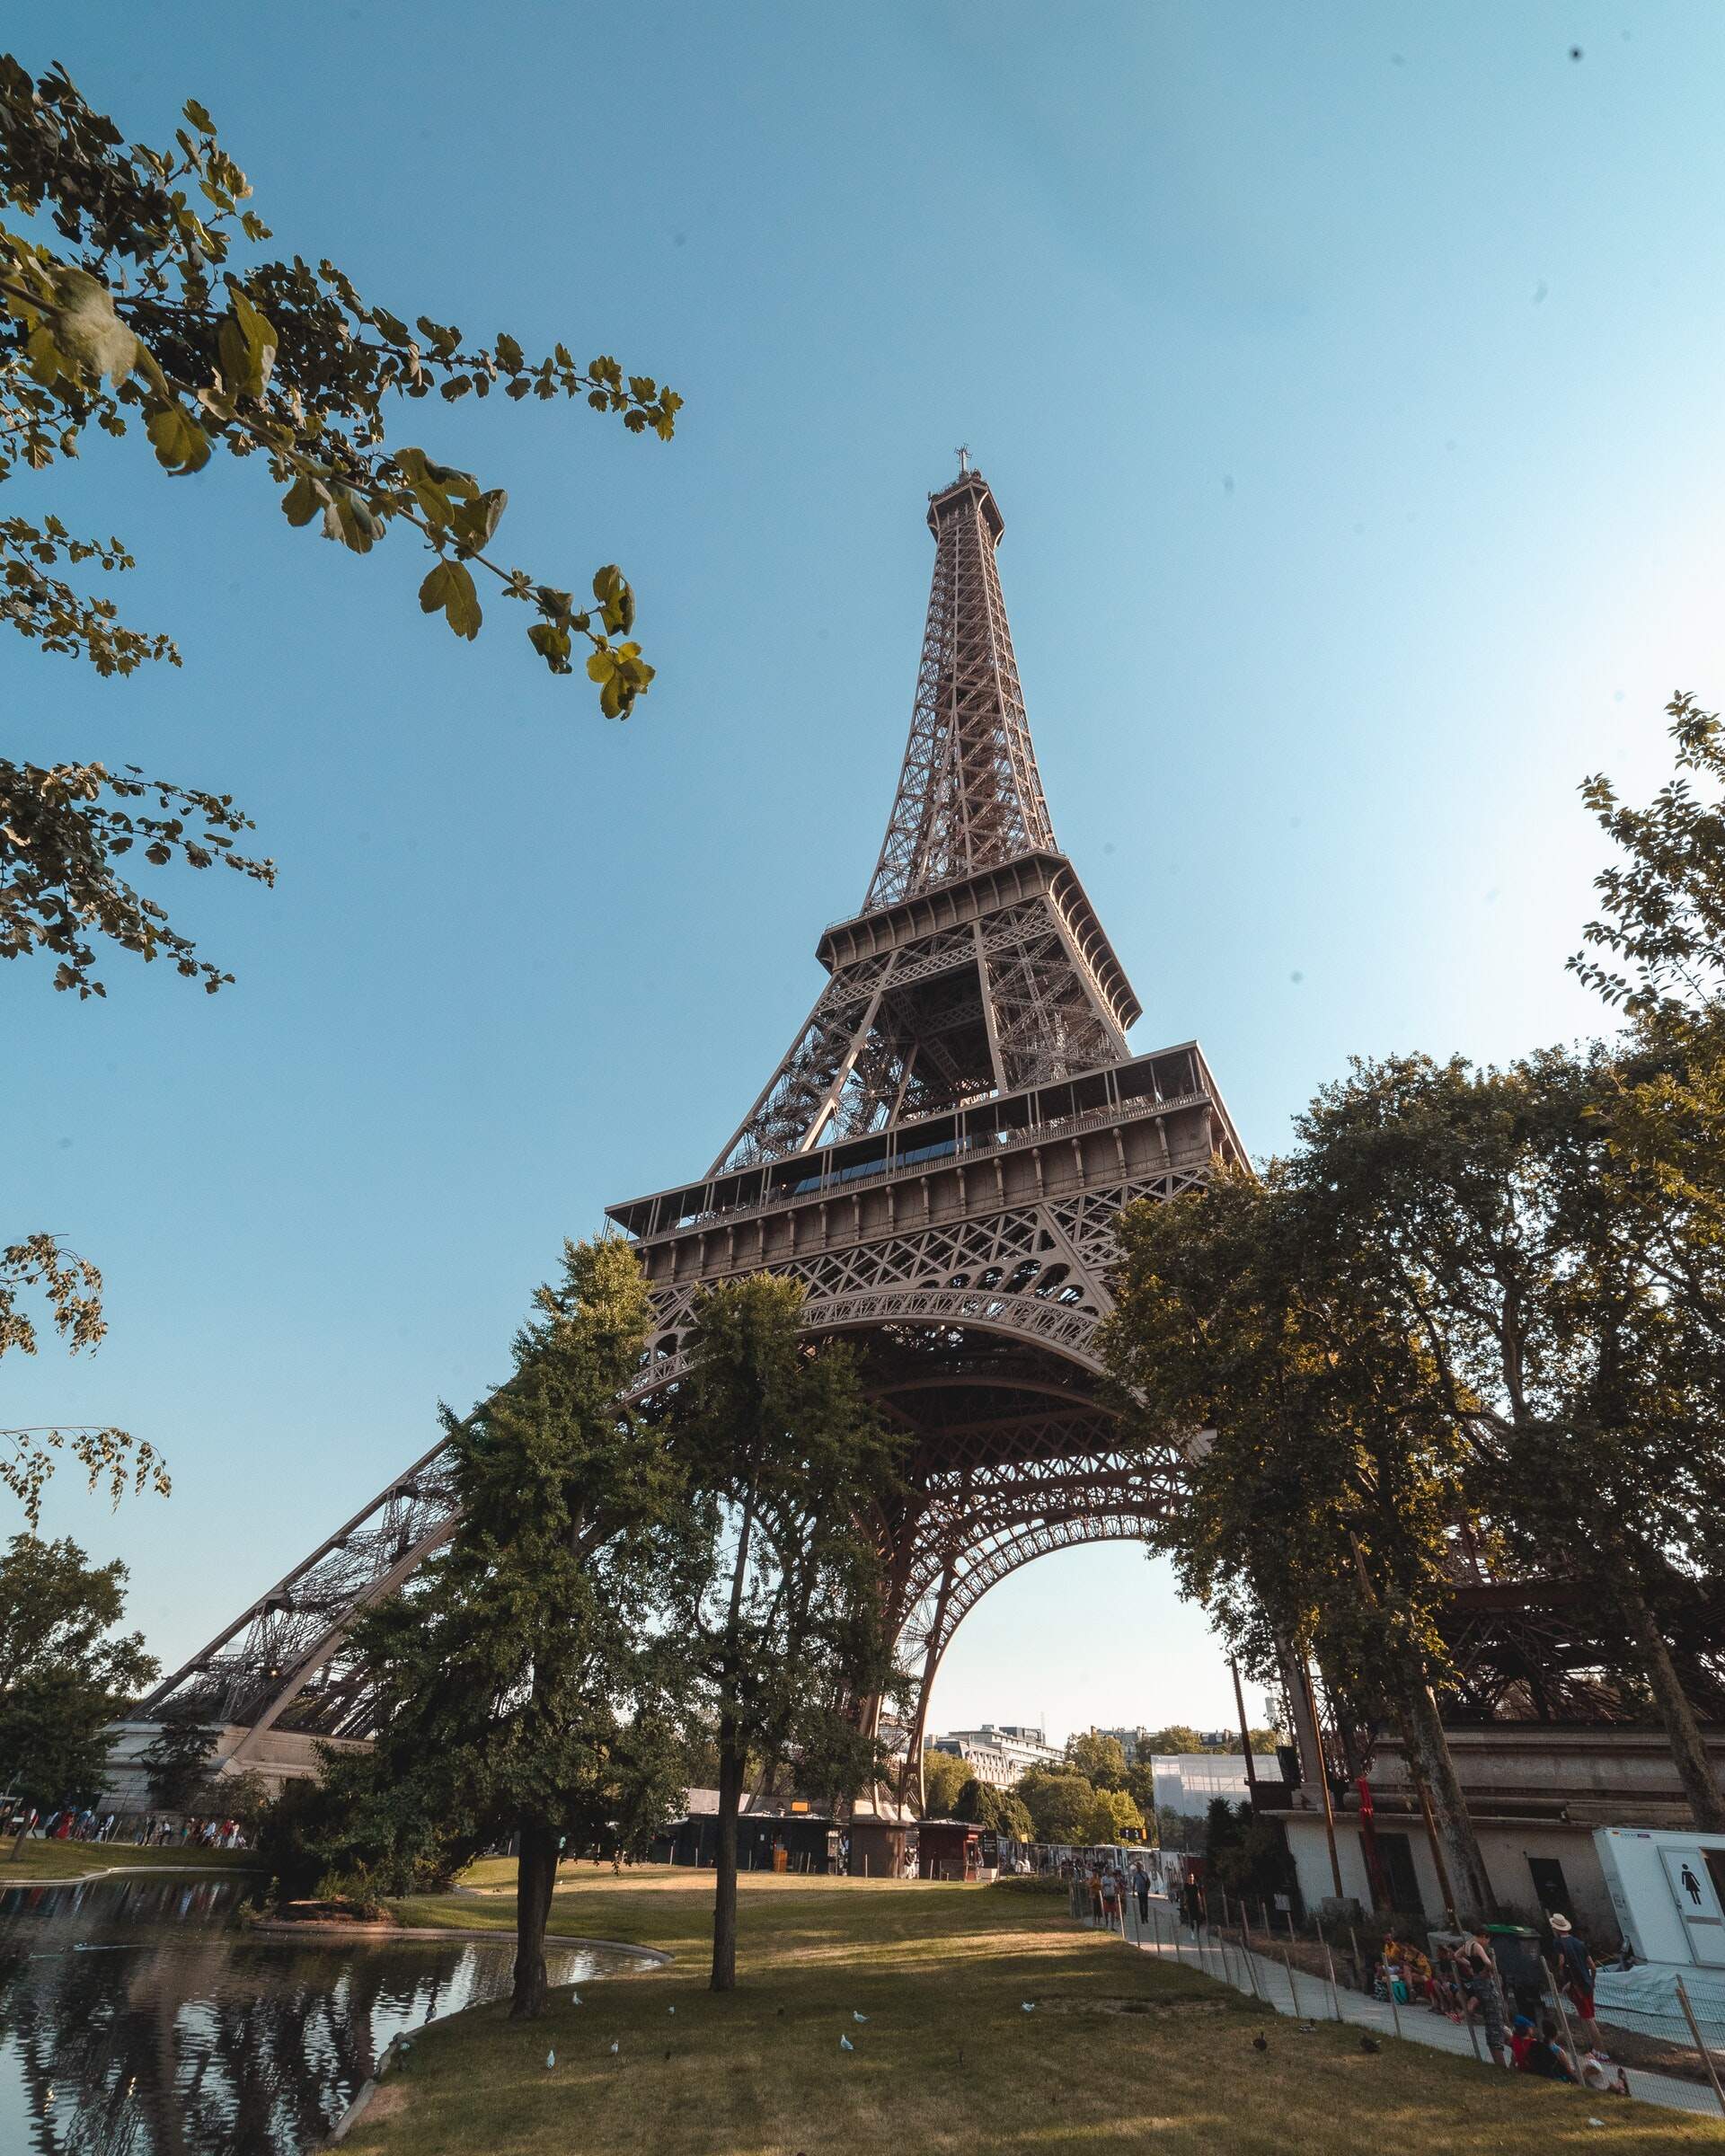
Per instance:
(1534,2007)
(147,1830)
(1537,2019)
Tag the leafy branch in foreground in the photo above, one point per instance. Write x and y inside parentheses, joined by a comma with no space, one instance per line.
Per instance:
(73,1287)
(151,305)
(1664,905)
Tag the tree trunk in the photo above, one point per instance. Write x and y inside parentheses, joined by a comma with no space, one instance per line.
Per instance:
(1432,1767)
(731,1764)
(537,1875)
(1682,1731)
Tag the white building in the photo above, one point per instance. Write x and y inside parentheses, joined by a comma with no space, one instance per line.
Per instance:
(998,1753)
(1190,1781)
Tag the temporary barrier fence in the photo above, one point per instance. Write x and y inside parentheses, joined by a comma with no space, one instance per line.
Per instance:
(1230,1955)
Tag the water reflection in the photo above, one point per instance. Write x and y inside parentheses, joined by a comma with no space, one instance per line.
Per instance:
(136,2019)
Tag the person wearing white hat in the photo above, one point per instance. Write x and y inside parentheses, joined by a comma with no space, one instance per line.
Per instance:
(1575,1974)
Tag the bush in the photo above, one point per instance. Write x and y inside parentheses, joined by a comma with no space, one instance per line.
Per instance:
(346,1831)
(1013,1882)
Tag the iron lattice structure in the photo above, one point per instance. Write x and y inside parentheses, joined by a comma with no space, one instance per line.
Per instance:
(939,1159)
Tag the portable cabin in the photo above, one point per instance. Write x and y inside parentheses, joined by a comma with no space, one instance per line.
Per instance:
(948,1848)
(882,1848)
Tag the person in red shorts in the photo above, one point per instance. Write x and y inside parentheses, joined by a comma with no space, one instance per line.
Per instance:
(1575,1973)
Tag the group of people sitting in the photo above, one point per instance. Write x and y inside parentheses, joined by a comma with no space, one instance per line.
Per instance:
(1461,1979)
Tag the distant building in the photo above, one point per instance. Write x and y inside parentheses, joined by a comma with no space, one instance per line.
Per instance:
(1128,1740)
(998,1753)
(1188,1781)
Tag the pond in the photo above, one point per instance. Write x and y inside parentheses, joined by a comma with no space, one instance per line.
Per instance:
(138,2018)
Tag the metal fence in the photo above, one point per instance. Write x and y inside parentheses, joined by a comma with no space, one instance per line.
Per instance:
(1687,2075)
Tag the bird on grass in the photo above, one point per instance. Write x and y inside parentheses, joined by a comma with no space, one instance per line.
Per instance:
(551,2060)
(856,2017)
(844,2044)
(670,2009)
(574,1998)
(1260,2043)
(1370,2044)
(614,2047)
(1028,2007)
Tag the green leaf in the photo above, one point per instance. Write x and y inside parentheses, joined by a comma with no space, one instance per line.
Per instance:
(450,586)
(351,518)
(616,601)
(181,444)
(552,643)
(199,118)
(476,521)
(246,341)
(303,499)
(509,352)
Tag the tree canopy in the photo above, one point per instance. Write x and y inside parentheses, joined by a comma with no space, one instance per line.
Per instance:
(139,298)
(944,1776)
(1000,1811)
(1100,1760)
(66,1671)
(532,1678)
(789,1626)
(1060,1804)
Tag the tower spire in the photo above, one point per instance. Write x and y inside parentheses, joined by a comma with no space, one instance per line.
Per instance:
(969,795)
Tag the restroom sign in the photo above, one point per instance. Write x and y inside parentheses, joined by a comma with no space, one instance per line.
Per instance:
(1695,1892)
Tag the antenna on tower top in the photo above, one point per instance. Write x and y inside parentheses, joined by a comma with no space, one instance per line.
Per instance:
(964,460)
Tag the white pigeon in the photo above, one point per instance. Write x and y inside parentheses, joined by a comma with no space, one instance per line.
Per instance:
(551,2060)
(574,1998)
(844,2044)
(614,2047)
(670,2009)
(856,2017)
(1030,2006)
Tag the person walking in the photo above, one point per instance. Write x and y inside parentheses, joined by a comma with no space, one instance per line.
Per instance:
(1141,1889)
(1479,1973)
(1575,1970)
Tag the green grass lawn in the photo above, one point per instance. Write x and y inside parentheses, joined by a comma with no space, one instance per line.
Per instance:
(1119,2054)
(75,1860)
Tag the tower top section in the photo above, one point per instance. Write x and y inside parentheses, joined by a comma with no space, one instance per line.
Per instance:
(969,795)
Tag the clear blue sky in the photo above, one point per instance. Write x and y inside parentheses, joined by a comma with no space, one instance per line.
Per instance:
(1349,379)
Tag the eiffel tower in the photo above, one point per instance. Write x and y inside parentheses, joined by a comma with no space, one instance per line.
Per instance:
(938,1158)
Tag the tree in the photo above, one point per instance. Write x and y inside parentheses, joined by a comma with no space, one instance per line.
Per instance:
(136,293)
(1100,1760)
(1246,1856)
(944,1776)
(1568,1317)
(72,1288)
(1179,1830)
(177,1764)
(999,1811)
(1316,1516)
(1112,1818)
(790,1626)
(1141,1784)
(1060,1804)
(1175,1741)
(1664,906)
(527,1678)
(65,1674)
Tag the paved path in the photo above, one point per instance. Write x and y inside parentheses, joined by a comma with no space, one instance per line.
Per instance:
(1296,1993)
